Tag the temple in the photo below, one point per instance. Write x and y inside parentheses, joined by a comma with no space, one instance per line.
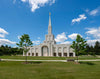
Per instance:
(49,46)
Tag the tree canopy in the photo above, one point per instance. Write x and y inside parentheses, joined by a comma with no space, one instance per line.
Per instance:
(24,43)
(79,45)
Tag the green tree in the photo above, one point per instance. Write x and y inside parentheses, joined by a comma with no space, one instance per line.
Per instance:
(24,43)
(79,45)
(97,48)
(92,50)
(88,49)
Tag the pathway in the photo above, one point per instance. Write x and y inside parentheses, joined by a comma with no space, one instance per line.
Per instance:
(47,60)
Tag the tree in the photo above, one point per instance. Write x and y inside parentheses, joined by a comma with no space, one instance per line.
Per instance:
(92,50)
(97,48)
(79,45)
(24,43)
(88,49)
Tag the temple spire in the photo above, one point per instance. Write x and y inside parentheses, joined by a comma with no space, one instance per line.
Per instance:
(49,26)
(49,19)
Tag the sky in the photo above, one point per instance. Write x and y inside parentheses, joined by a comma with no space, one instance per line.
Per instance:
(69,18)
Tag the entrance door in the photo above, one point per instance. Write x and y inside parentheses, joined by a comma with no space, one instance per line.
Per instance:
(45,51)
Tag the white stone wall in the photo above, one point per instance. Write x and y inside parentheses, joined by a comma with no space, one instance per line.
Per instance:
(58,50)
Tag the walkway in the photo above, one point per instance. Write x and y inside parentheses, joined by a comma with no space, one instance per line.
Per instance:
(47,60)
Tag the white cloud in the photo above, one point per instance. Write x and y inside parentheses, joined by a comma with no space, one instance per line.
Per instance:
(73,36)
(14,1)
(6,42)
(66,42)
(3,33)
(35,4)
(87,38)
(81,17)
(87,10)
(61,37)
(36,42)
(19,37)
(23,0)
(92,42)
(39,38)
(95,11)
(95,32)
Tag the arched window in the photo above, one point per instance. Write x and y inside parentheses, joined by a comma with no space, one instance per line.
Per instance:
(71,54)
(28,54)
(54,54)
(65,54)
(32,54)
(36,54)
(59,54)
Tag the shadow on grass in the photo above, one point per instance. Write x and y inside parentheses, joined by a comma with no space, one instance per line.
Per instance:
(32,62)
(88,63)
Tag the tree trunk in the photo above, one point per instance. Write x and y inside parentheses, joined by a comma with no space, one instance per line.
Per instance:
(77,58)
(26,56)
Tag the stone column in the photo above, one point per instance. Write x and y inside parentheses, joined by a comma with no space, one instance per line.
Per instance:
(62,51)
(73,54)
(34,51)
(27,53)
(49,48)
(51,53)
(30,51)
(40,49)
(57,51)
(68,51)
(24,53)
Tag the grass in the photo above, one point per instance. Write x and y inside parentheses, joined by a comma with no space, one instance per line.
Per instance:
(33,58)
(49,70)
(49,58)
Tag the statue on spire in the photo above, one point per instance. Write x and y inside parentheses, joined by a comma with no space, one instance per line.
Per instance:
(49,14)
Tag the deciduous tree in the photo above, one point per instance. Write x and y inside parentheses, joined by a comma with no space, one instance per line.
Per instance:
(24,43)
(79,45)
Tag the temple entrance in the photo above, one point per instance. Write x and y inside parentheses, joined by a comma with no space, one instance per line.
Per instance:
(45,51)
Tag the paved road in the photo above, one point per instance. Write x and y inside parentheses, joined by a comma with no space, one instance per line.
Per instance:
(47,60)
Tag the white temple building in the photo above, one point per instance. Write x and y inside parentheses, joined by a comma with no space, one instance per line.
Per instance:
(49,46)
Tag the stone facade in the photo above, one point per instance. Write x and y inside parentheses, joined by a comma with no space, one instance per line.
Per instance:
(49,46)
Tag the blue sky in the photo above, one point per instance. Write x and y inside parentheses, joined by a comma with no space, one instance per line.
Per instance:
(69,18)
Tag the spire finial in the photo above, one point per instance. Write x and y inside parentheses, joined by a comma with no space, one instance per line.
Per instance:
(49,14)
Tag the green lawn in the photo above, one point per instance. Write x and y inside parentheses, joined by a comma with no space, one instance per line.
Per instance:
(48,58)
(49,70)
